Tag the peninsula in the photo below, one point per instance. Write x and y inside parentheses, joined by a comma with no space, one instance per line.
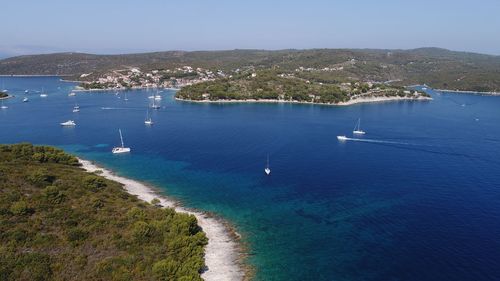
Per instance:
(276,86)
(59,221)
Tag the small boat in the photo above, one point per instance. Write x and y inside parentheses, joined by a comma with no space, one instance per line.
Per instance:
(25,100)
(154,105)
(125,99)
(157,95)
(3,106)
(26,91)
(76,106)
(357,129)
(68,123)
(120,149)
(148,120)
(72,94)
(43,95)
(342,138)
(267,170)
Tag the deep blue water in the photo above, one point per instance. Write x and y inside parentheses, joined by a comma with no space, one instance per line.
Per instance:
(421,203)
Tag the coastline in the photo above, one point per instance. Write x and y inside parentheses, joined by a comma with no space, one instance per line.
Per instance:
(121,89)
(222,253)
(469,92)
(34,75)
(351,102)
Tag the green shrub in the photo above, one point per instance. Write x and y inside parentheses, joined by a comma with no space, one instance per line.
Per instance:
(53,194)
(20,208)
(94,183)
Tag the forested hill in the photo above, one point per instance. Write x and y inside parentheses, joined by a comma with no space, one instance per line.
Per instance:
(58,222)
(438,68)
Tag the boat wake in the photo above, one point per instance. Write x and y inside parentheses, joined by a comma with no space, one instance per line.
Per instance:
(120,108)
(427,148)
(378,141)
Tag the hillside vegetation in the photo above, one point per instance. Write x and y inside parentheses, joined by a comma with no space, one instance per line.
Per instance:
(58,222)
(438,68)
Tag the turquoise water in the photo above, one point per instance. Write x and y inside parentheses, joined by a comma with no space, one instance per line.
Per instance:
(417,199)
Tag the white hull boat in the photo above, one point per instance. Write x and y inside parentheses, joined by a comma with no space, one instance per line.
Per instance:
(120,149)
(357,129)
(68,123)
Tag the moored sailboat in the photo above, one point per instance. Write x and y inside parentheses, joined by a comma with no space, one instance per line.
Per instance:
(120,149)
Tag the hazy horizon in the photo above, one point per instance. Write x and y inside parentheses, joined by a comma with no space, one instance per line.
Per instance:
(120,27)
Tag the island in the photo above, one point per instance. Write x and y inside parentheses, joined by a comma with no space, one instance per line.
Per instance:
(278,86)
(58,222)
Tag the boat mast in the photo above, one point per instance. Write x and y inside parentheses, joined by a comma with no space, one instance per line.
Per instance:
(121,138)
(267,166)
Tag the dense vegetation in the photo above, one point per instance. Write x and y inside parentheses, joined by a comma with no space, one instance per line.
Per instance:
(438,68)
(272,85)
(58,222)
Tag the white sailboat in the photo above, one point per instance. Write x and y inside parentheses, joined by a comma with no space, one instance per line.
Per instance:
(72,94)
(342,138)
(267,170)
(43,95)
(157,96)
(120,149)
(154,105)
(357,129)
(148,120)
(25,100)
(3,106)
(125,99)
(69,123)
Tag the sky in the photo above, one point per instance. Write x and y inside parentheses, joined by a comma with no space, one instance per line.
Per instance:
(127,26)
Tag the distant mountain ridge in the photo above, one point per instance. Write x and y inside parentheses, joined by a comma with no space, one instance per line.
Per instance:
(439,68)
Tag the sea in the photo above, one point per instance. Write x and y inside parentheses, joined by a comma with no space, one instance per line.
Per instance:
(415,198)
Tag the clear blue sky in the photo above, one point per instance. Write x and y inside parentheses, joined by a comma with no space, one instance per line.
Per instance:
(123,26)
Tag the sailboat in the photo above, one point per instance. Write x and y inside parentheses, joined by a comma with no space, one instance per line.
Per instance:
(120,149)
(76,108)
(72,94)
(125,99)
(357,129)
(148,120)
(25,99)
(267,170)
(154,105)
(157,96)
(3,106)
(342,138)
(43,95)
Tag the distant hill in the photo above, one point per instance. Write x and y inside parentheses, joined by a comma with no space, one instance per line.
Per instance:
(436,67)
